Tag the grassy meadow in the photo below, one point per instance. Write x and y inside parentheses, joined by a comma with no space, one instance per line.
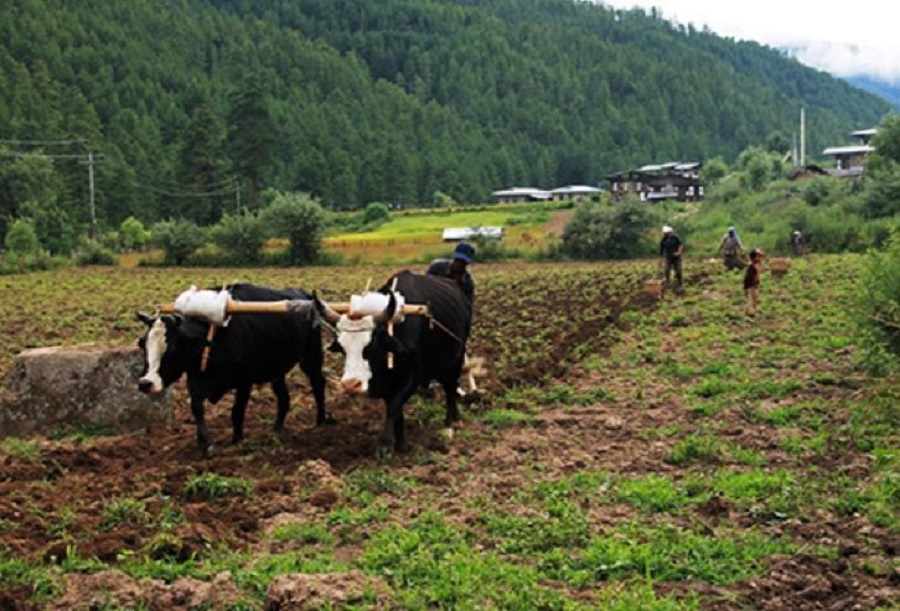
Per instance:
(625,454)
(416,235)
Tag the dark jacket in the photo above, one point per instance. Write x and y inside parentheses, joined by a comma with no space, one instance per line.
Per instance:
(669,246)
(441,267)
(751,276)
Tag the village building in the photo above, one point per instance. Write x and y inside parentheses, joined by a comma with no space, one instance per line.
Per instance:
(850,161)
(517,195)
(651,183)
(458,234)
(576,193)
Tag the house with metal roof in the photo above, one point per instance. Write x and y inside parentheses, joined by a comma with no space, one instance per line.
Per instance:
(521,194)
(674,180)
(457,234)
(577,193)
(850,161)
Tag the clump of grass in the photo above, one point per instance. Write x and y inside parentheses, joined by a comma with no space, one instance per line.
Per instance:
(666,431)
(376,481)
(126,509)
(210,485)
(653,493)
(666,553)
(505,418)
(697,447)
(308,534)
(26,450)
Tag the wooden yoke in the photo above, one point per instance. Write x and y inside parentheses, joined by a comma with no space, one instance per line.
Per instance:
(282,307)
(210,335)
(204,356)
(390,328)
(242,307)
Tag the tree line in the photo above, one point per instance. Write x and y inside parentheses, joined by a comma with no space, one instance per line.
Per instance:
(197,106)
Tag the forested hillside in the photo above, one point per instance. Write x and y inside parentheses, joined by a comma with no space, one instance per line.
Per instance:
(362,100)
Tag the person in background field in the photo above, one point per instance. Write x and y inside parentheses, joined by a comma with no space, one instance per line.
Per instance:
(751,280)
(670,249)
(456,267)
(730,249)
(796,243)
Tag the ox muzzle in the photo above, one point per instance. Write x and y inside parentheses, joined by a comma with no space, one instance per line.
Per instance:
(151,385)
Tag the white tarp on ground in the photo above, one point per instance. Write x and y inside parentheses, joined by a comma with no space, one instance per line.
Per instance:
(455,234)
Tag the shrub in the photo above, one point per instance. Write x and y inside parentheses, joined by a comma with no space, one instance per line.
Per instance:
(21,239)
(241,237)
(609,232)
(132,234)
(879,307)
(178,239)
(94,253)
(375,214)
(299,218)
(53,226)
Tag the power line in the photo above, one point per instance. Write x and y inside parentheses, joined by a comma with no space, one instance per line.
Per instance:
(43,142)
(222,191)
(45,156)
(88,159)
(185,187)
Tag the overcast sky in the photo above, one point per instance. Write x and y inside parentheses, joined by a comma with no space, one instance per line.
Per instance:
(847,38)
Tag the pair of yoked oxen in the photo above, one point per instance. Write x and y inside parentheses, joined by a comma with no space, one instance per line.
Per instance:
(387,355)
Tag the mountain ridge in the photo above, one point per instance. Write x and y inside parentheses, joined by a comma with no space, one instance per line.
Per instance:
(392,101)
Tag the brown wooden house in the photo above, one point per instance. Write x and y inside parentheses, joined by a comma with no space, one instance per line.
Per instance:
(651,183)
(850,161)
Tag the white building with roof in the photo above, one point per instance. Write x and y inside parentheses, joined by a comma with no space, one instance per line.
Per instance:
(521,194)
(576,193)
(851,160)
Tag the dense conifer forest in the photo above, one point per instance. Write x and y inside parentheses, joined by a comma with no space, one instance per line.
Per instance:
(355,101)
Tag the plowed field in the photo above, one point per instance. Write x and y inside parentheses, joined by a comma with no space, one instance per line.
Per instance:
(622,453)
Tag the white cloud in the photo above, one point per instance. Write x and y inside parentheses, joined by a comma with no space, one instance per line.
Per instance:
(844,39)
(846,59)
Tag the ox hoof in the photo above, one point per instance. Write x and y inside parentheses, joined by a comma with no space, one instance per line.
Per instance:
(327,420)
(208,451)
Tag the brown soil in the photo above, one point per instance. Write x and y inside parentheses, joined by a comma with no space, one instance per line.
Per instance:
(59,501)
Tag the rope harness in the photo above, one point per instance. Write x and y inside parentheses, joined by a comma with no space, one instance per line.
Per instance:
(432,322)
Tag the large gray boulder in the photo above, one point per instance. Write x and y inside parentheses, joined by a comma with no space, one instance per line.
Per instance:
(65,387)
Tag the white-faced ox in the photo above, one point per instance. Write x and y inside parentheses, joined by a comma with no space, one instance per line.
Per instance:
(393,365)
(250,349)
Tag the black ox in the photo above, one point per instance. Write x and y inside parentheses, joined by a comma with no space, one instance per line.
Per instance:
(393,367)
(250,349)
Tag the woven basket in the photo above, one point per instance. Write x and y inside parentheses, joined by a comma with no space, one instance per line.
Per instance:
(779,267)
(654,288)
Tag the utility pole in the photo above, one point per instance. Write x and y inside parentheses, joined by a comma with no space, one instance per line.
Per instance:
(803,136)
(90,161)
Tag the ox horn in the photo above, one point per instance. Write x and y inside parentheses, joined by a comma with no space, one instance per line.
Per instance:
(388,312)
(326,311)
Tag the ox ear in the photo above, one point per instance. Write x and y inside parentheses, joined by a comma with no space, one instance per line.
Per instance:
(386,343)
(172,320)
(325,311)
(144,318)
(388,312)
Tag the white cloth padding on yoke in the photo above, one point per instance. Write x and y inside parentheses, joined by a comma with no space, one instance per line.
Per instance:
(373,303)
(206,304)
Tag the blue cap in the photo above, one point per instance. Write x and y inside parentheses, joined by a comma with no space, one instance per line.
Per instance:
(464,251)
